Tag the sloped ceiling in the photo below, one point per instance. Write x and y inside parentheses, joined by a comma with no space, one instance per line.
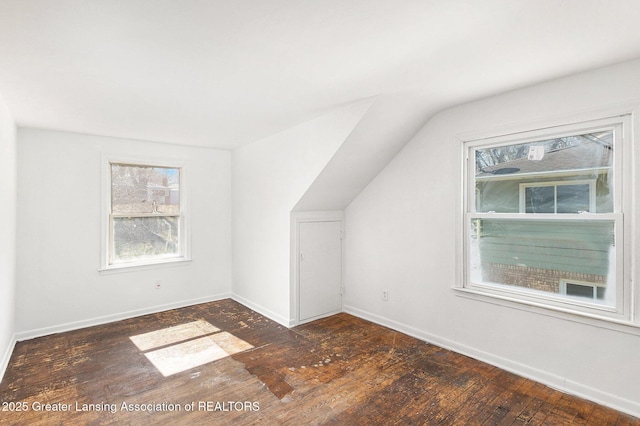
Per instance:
(222,73)
(388,124)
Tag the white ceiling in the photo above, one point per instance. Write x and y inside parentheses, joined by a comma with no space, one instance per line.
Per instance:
(222,73)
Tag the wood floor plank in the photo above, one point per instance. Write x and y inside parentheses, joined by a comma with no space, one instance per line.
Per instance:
(339,370)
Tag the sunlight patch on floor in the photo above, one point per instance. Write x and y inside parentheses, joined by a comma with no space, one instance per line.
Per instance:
(187,355)
(188,349)
(170,335)
(230,343)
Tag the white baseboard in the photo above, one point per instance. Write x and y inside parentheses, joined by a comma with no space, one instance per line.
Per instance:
(263,311)
(60,328)
(552,380)
(6,357)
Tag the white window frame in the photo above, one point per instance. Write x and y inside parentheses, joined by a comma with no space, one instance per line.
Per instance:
(621,174)
(106,259)
(556,184)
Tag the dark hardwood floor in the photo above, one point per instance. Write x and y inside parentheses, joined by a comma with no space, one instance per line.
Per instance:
(340,370)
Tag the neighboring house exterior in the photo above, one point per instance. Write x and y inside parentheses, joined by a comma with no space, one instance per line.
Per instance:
(145,212)
(569,258)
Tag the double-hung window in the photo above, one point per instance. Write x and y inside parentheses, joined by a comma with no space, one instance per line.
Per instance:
(543,221)
(146,220)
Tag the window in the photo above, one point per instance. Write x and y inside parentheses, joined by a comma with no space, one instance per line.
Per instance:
(588,291)
(544,218)
(146,221)
(558,197)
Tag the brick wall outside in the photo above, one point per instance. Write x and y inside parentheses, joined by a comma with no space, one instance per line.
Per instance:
(534,278)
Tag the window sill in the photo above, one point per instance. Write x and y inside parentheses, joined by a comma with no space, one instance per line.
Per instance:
(141,266)
(619,325)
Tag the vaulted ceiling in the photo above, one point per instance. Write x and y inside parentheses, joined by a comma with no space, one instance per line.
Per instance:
(222,73)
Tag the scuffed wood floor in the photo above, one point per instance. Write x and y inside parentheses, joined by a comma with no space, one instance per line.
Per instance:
(340,370)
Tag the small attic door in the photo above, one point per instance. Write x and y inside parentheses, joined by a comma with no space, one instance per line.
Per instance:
(319,268)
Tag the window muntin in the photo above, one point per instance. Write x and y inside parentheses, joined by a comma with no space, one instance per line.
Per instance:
(145,218)
(569,230)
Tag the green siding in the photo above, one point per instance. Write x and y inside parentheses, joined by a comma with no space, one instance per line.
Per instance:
(570,246)
(499,196)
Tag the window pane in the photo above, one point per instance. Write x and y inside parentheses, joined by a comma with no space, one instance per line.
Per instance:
(500,170)
(534,256)
(144,190)
(146,237)
(573,198)
(579,290)
(540,199)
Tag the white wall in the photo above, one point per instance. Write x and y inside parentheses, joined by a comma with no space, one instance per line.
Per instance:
(59,234)
(388,124)
(8,190)
(269,177)
(401,236)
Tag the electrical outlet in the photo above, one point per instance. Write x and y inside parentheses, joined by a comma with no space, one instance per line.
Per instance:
(385,295)
(158,284)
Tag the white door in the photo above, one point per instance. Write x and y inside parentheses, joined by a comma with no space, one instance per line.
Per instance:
(320,269)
